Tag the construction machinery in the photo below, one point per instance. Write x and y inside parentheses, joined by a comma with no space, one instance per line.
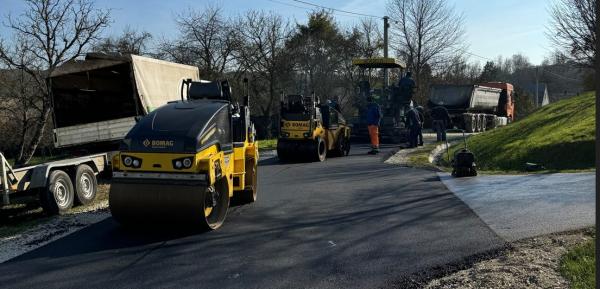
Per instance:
(95,101)
(186,160)
(310,130)
(463,162)
(393,105)
(475,108)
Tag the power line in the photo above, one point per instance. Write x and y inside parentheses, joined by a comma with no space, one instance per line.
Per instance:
(311,9)
(334,9)
(288,4)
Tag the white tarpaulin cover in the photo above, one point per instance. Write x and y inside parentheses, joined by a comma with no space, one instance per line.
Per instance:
(158,81)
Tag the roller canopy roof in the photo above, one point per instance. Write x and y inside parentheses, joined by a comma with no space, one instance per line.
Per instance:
(180,126)
(379,62)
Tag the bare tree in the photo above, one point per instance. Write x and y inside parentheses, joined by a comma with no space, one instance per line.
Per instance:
(427,33)
(371,40)
(262,44)
(573,28)
(130,41)
(47,34)
(206,40)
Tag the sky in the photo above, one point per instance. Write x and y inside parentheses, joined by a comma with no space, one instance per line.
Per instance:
(493,27)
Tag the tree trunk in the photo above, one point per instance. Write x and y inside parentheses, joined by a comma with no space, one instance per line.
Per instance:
(28,149)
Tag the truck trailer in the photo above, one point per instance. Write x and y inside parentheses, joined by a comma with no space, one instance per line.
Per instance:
(96,101)
(475,108)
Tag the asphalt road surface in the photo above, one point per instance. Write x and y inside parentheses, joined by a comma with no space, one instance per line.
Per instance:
(351,222)
(522,206)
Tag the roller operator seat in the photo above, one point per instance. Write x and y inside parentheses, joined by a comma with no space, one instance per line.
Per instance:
(205,90)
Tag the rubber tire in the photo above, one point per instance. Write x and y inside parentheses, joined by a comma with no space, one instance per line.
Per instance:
(483,122)
(217,221)
(80,196)
(320,153)
(470,124)
(347,146)
(338,151)
(48,196)
(248,196)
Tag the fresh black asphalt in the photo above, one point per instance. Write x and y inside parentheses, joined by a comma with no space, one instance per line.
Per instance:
(351,222)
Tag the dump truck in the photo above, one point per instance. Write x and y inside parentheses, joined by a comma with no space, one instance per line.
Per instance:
(96,101)
(475,108)
(310,130)
(393,128)
(185,161)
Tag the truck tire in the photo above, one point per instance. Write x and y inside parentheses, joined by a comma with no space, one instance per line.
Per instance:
(469,124)
(483,122)
(58,196)
(86,185)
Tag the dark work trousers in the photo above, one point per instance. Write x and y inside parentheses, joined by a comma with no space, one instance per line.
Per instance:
(440,128)
(413,136)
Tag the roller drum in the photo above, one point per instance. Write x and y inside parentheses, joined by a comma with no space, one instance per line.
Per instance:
(151,202)
(296,150)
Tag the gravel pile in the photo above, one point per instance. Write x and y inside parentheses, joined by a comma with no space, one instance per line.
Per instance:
(532,263)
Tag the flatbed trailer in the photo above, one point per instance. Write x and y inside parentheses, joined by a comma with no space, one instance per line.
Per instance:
(96,101)
(58,185)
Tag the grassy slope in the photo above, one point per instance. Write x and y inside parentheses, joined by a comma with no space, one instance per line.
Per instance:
(560,136)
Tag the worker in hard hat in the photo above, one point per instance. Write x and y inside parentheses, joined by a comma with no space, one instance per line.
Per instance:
(407,86)
(373,119)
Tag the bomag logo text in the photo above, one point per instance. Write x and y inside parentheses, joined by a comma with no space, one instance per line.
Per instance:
(296,124)
(158,143)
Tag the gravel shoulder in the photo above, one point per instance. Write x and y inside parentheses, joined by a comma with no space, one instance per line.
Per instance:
(530,263)
(37,230)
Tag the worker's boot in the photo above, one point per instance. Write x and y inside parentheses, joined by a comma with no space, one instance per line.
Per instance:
(373,151)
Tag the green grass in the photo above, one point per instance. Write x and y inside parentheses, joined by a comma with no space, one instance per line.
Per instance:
(559,136)
(267,144)
(578,266)
(420,157)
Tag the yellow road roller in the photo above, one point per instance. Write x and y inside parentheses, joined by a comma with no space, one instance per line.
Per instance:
(185,161)
(309,130)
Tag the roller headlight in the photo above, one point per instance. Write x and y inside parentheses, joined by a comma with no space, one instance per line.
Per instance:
(178,164)
(187,163)
(127,161)
(136,163)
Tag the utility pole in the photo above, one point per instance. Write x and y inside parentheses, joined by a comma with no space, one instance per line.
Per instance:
(386,25)
(537,84)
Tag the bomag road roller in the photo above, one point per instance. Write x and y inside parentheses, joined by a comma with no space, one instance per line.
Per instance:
(186,160)
(309,130)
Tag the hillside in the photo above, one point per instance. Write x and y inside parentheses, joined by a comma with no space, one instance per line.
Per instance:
(560,136)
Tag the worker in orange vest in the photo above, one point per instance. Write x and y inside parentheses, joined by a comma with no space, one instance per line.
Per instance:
(373,120)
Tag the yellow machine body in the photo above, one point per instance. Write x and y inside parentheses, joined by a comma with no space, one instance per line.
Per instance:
(310,131)
(188,174)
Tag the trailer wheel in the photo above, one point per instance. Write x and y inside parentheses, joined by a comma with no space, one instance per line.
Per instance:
(58,196)
(86,185)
